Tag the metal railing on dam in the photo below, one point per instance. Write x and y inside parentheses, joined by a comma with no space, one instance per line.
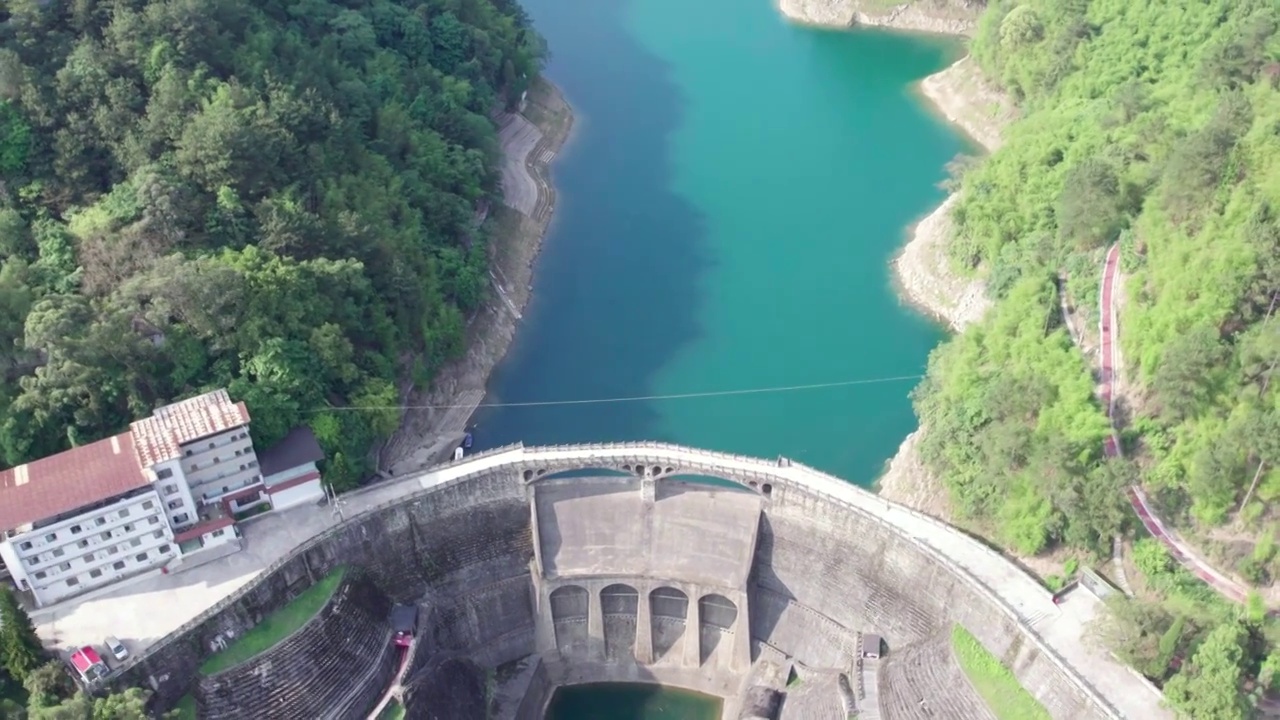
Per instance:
(995,578)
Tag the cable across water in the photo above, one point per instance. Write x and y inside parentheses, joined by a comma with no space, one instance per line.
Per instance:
(638,398)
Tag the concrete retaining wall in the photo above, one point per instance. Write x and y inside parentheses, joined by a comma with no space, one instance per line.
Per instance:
(860,574)
(466,545)
(336,665)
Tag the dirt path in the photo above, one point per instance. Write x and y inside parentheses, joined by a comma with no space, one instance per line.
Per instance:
(438,417)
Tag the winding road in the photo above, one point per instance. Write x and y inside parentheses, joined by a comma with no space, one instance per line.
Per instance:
(1181,552)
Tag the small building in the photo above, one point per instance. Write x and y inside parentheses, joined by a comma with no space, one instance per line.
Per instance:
(404,622)
(88,665)
(871,645)
(289,469)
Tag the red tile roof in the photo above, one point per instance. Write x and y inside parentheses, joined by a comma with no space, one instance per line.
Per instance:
(75,478)
(159,436)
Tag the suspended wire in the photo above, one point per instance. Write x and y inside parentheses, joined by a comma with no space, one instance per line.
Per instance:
(637,398)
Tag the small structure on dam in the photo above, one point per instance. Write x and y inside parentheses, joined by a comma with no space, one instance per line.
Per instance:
(785,592)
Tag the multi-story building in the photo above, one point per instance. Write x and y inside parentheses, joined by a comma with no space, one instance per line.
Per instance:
(170,487)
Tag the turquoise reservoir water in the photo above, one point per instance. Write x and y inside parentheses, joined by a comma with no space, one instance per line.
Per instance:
(728,208)
(630,702)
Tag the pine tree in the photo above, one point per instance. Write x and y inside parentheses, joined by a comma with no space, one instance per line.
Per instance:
(20,648)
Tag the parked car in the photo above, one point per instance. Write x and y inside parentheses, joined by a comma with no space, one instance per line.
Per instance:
(117,649)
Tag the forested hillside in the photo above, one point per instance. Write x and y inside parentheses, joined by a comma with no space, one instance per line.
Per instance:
(1156,123)
(275,197)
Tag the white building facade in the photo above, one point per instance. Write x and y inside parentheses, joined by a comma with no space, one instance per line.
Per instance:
(170,487)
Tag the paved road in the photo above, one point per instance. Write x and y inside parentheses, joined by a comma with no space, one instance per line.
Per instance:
(518,137)
(1137,498)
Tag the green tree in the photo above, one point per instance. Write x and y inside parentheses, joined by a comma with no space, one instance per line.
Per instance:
(1190,371)
(1091,208)
(48,685)
(20,648)
(1210,685)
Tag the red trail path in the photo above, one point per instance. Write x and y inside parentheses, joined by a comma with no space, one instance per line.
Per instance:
(1137,498)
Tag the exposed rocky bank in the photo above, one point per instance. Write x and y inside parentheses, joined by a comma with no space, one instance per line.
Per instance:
(950,17)
(924,271)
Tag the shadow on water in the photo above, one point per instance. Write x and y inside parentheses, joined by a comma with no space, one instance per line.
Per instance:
(618,275)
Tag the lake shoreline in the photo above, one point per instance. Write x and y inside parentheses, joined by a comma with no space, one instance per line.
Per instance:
(437,416)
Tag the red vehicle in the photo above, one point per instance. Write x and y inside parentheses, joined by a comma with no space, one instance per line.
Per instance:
(404,620)
(89,664)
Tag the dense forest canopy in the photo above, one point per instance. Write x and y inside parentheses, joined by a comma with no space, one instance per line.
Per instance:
(1157,124)
(275,197)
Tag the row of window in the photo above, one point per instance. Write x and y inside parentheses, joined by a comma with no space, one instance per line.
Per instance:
(77,528)
(90,557)
(117,566)
(241,436)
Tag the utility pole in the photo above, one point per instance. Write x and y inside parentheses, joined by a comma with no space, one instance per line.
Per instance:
(334,501)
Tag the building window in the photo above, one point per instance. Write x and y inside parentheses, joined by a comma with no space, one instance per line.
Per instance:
(100,520)
(174,505)
(157,534)
(75,529)
(35,559)
(51,537)
(153,519)
(180,518)
(135,542)
(128,528)
(25,545)
(64,566)
(58,552)
(218,533)
(170,489)
(165,473)
(124,512)
(148,505)
(82,544)
(72,582)
(113,550)
(95,573)
(118,565)
(163,549)
(188,453)
(106,534)
(42,575)
(142,557)
(88,557)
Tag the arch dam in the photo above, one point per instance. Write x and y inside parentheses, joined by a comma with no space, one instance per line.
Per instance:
(759,589)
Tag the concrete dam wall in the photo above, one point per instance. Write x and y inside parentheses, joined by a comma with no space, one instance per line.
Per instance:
(528,582)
